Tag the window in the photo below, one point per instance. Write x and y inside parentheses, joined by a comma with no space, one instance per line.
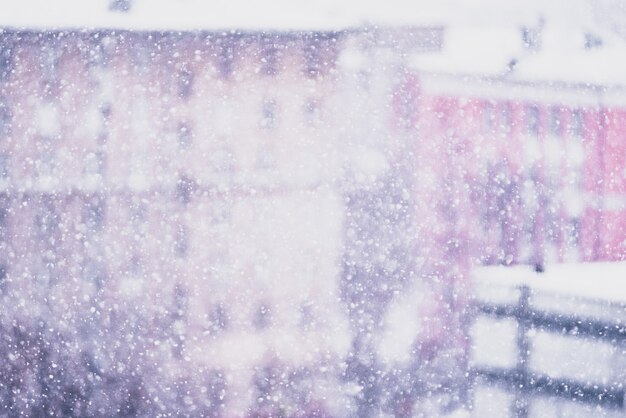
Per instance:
(181,241)
(269,57)
(3,276)
(489,117)
(406,103)
(576,124)
(47,220)
(184,189)
(592,41)
(5,60)
(262,317)
(94,272)
(226,57)
(94,213)
(216,390)
(4,217)
(185,83)
(4,166)
(5,120)
(181,301)
(268,114)
(531,38)
(506,118)
(532,120)
(555,121)
(105,111)
(218,318)
(49,59)
(312,56)
(142,55)
(180,310)
(138,216)
(120,5)
(98,55)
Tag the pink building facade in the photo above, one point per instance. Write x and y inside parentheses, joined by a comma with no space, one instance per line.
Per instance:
(539,169)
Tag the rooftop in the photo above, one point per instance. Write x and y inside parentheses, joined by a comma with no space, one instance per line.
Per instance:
(274,15)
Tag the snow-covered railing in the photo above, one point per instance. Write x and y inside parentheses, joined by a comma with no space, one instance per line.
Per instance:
(550,343)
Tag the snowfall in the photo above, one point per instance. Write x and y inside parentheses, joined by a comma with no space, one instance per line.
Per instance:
(192,225)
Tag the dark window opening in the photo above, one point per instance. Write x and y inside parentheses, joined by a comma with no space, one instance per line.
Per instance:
(105,111)
(47,220)
(262,317)
(226,58)
(4,166)
(532,120)
(3,276)
(270,58)
(4,216)
(181,306)
(181,242)
(555,121)
(95,213)
(97,55)
(312,57)
(216,391)
(489,117)
(49,59)
(506,119)
(6,53)
(576,124)
(184,189)
(185,83)
(5,120)
(139,217)
(307,318)
(268,114)
(120,5)
(592,41)
(531,38)
(181,302)
(95,272)
(406,104)
(218,318)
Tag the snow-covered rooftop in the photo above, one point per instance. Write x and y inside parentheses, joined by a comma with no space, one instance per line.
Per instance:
(574,45)
(275,15)
(481,37)
(498,51)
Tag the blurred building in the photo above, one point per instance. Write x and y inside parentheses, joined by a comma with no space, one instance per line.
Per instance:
(536,133)
(187,193)
(188,178)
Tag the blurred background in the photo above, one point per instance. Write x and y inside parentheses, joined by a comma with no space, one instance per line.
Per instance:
(312,208)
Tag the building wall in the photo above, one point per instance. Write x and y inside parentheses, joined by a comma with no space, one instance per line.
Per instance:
(545,175)
(186,181)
